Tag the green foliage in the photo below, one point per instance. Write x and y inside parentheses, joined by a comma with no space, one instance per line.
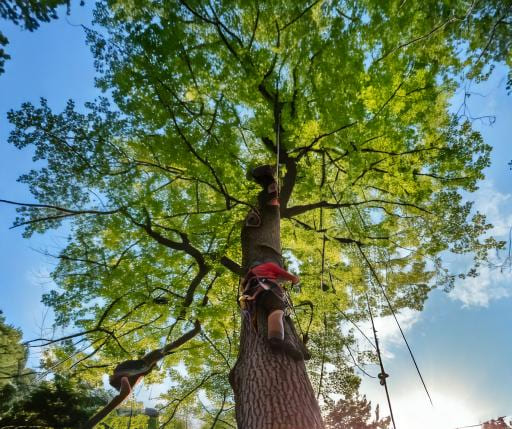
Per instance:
(3,55)
(61,403)
(13,354)
(131,414)
(153,187)
(29,15)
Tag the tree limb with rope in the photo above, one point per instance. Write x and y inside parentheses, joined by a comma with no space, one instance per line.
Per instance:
(128,373)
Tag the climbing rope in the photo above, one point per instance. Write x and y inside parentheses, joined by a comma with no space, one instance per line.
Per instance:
(356,364)
(324,238)
(305,335)
(278,148)
(290,305)
(277,109)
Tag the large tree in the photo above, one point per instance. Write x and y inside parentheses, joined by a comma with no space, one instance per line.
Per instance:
(351,99)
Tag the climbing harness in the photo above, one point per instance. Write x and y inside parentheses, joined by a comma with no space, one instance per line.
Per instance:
(264,278)
(257,285)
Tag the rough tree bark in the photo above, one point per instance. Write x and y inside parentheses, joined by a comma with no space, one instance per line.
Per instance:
(272,391)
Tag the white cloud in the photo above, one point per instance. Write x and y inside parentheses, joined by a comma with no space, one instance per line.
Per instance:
(496,205)
(490,285)
(387,330)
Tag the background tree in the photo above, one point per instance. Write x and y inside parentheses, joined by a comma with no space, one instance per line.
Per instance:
(355,413)
(13,354)
(372,166)
(61,403)
(58,402)
(499,423)
(25,400)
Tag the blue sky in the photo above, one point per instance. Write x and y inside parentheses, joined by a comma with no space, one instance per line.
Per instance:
(53,63)
(462,340)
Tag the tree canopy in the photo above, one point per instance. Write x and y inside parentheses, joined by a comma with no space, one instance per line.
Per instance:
(353,98)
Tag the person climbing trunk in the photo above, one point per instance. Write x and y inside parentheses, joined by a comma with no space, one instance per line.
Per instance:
(269,380)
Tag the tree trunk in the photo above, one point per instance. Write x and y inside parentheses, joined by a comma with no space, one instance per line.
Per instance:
(272,391)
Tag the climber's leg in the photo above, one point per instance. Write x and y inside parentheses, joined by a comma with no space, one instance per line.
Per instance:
(275,325)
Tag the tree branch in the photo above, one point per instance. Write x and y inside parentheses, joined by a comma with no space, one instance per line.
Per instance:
(297,210)
(232,266)
(62,209)
(304,150)
(300,15)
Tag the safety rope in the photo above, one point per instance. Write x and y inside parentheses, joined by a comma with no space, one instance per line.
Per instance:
(377,279)
(396,320)
(382,375)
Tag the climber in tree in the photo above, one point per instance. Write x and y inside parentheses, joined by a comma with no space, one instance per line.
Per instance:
(262,285)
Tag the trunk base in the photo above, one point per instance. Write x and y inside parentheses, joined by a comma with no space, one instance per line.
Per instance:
(272,390)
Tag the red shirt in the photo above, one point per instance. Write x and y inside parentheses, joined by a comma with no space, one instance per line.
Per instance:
(272,271)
